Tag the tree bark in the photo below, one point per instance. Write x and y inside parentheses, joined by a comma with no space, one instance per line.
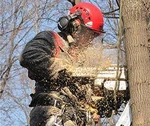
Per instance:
(137,55)
(77,1)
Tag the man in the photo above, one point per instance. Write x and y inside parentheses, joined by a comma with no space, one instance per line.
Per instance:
(50,58)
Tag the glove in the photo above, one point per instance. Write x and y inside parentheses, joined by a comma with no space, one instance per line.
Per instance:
(64,77)
(60,68)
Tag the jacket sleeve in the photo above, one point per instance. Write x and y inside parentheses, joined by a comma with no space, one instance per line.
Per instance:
(37,53)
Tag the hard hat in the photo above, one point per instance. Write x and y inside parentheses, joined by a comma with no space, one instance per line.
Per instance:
(91,15)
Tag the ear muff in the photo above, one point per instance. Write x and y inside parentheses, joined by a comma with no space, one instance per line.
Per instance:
(65,23)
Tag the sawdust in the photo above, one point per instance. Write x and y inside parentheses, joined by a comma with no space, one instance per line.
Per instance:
(87,60)
(93,57)
(90,59)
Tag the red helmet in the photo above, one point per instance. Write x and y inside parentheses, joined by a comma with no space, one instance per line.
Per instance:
(91,15)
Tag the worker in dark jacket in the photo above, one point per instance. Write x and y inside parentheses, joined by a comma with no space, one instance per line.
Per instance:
(50,57)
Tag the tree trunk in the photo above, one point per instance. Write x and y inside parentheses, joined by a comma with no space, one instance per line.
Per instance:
(133,13)
(77,1)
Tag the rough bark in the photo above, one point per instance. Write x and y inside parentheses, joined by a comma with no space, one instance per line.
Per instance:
(137,56)
(77,1)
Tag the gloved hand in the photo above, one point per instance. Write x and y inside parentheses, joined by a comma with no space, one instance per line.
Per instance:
(60,68)
(64,77)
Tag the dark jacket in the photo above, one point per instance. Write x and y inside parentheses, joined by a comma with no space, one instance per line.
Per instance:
(36,55)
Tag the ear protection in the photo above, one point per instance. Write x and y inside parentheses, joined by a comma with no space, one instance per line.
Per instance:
(66,23)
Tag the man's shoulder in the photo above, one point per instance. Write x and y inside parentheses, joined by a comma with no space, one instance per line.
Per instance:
(44,35)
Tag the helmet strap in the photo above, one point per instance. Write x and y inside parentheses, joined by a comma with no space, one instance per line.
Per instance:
(71,41)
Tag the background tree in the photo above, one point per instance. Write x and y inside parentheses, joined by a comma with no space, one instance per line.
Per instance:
(135,17)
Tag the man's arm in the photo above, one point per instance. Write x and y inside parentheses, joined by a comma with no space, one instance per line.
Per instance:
(37,53)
